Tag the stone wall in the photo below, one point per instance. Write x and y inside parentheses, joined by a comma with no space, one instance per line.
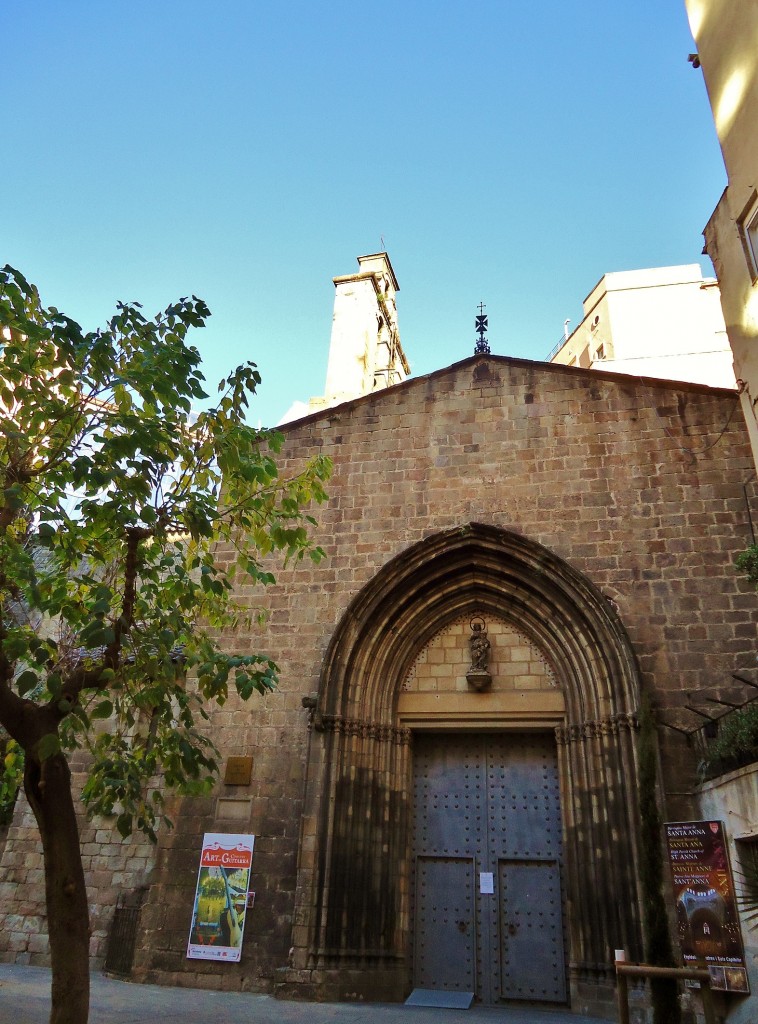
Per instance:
(636,485)
(630,481)
(113,868)
(621,478)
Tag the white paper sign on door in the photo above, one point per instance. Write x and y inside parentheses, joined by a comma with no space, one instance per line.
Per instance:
(486,882)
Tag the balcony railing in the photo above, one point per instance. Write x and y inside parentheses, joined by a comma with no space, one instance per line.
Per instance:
(728,742)
(556,348)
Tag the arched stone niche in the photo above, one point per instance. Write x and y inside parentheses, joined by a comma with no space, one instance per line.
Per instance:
(436,693)
(353,917)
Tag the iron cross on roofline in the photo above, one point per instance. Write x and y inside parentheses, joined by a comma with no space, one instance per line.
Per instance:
(482,347)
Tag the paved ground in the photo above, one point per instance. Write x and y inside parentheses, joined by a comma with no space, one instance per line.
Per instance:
(24,999)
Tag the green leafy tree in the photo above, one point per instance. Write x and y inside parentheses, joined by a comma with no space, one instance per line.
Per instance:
(736,743)
(747,563)
(114,497)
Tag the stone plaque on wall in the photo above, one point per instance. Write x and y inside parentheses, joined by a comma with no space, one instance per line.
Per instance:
(238,771)
(233,808)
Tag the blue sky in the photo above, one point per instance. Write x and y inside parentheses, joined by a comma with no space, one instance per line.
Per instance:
(248,152)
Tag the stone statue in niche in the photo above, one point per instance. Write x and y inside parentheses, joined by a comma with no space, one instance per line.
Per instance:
(480,646)
(478,676)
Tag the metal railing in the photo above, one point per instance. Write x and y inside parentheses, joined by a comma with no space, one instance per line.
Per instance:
(122,938)
(716,721)
(556,348)
(625,970)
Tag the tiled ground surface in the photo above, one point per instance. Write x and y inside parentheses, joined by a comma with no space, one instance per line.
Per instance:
(24,999)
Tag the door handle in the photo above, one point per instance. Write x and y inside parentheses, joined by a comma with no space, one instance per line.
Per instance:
(512,929)
(461,927)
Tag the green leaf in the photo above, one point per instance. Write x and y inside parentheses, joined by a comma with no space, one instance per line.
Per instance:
(26,682)
(49,745)
(103,710)
(11,777)
(124,825)
(54,683)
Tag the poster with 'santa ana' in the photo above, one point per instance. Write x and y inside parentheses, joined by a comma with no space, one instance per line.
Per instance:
(706,909)
(223,880)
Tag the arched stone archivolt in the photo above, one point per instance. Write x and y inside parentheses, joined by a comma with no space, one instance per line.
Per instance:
(457,573)
(355,887)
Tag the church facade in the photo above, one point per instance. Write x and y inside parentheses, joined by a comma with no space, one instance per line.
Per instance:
(444,788)
(411,826)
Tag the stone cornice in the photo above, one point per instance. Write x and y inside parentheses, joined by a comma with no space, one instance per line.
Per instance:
(365,730)
(611,726)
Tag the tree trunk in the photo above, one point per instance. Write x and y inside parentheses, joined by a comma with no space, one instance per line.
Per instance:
(48,789)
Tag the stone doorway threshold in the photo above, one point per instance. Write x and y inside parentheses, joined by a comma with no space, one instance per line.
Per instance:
(436,997)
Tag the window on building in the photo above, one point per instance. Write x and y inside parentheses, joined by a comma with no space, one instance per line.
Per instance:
(747,876)
(748,225)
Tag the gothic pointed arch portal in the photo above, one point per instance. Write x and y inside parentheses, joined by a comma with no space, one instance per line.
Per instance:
(356,910)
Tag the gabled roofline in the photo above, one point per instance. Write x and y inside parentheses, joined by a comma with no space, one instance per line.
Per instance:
(548,368)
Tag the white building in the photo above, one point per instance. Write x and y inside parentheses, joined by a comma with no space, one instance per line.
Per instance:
(664,322)
(726,33)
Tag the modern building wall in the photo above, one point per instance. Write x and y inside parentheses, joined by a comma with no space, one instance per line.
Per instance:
(663,322)
(726,34)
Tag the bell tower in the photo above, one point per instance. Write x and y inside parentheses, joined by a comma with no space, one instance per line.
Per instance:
(365,353)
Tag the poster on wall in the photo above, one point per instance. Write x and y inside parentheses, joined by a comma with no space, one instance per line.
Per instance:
(706,909)
(221,897)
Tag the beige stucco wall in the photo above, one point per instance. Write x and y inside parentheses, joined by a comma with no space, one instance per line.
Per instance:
(354,338)
(739,299)
(365,351)
(662,322)
(726,34)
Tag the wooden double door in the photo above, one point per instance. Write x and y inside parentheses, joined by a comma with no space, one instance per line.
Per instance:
(488,909)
